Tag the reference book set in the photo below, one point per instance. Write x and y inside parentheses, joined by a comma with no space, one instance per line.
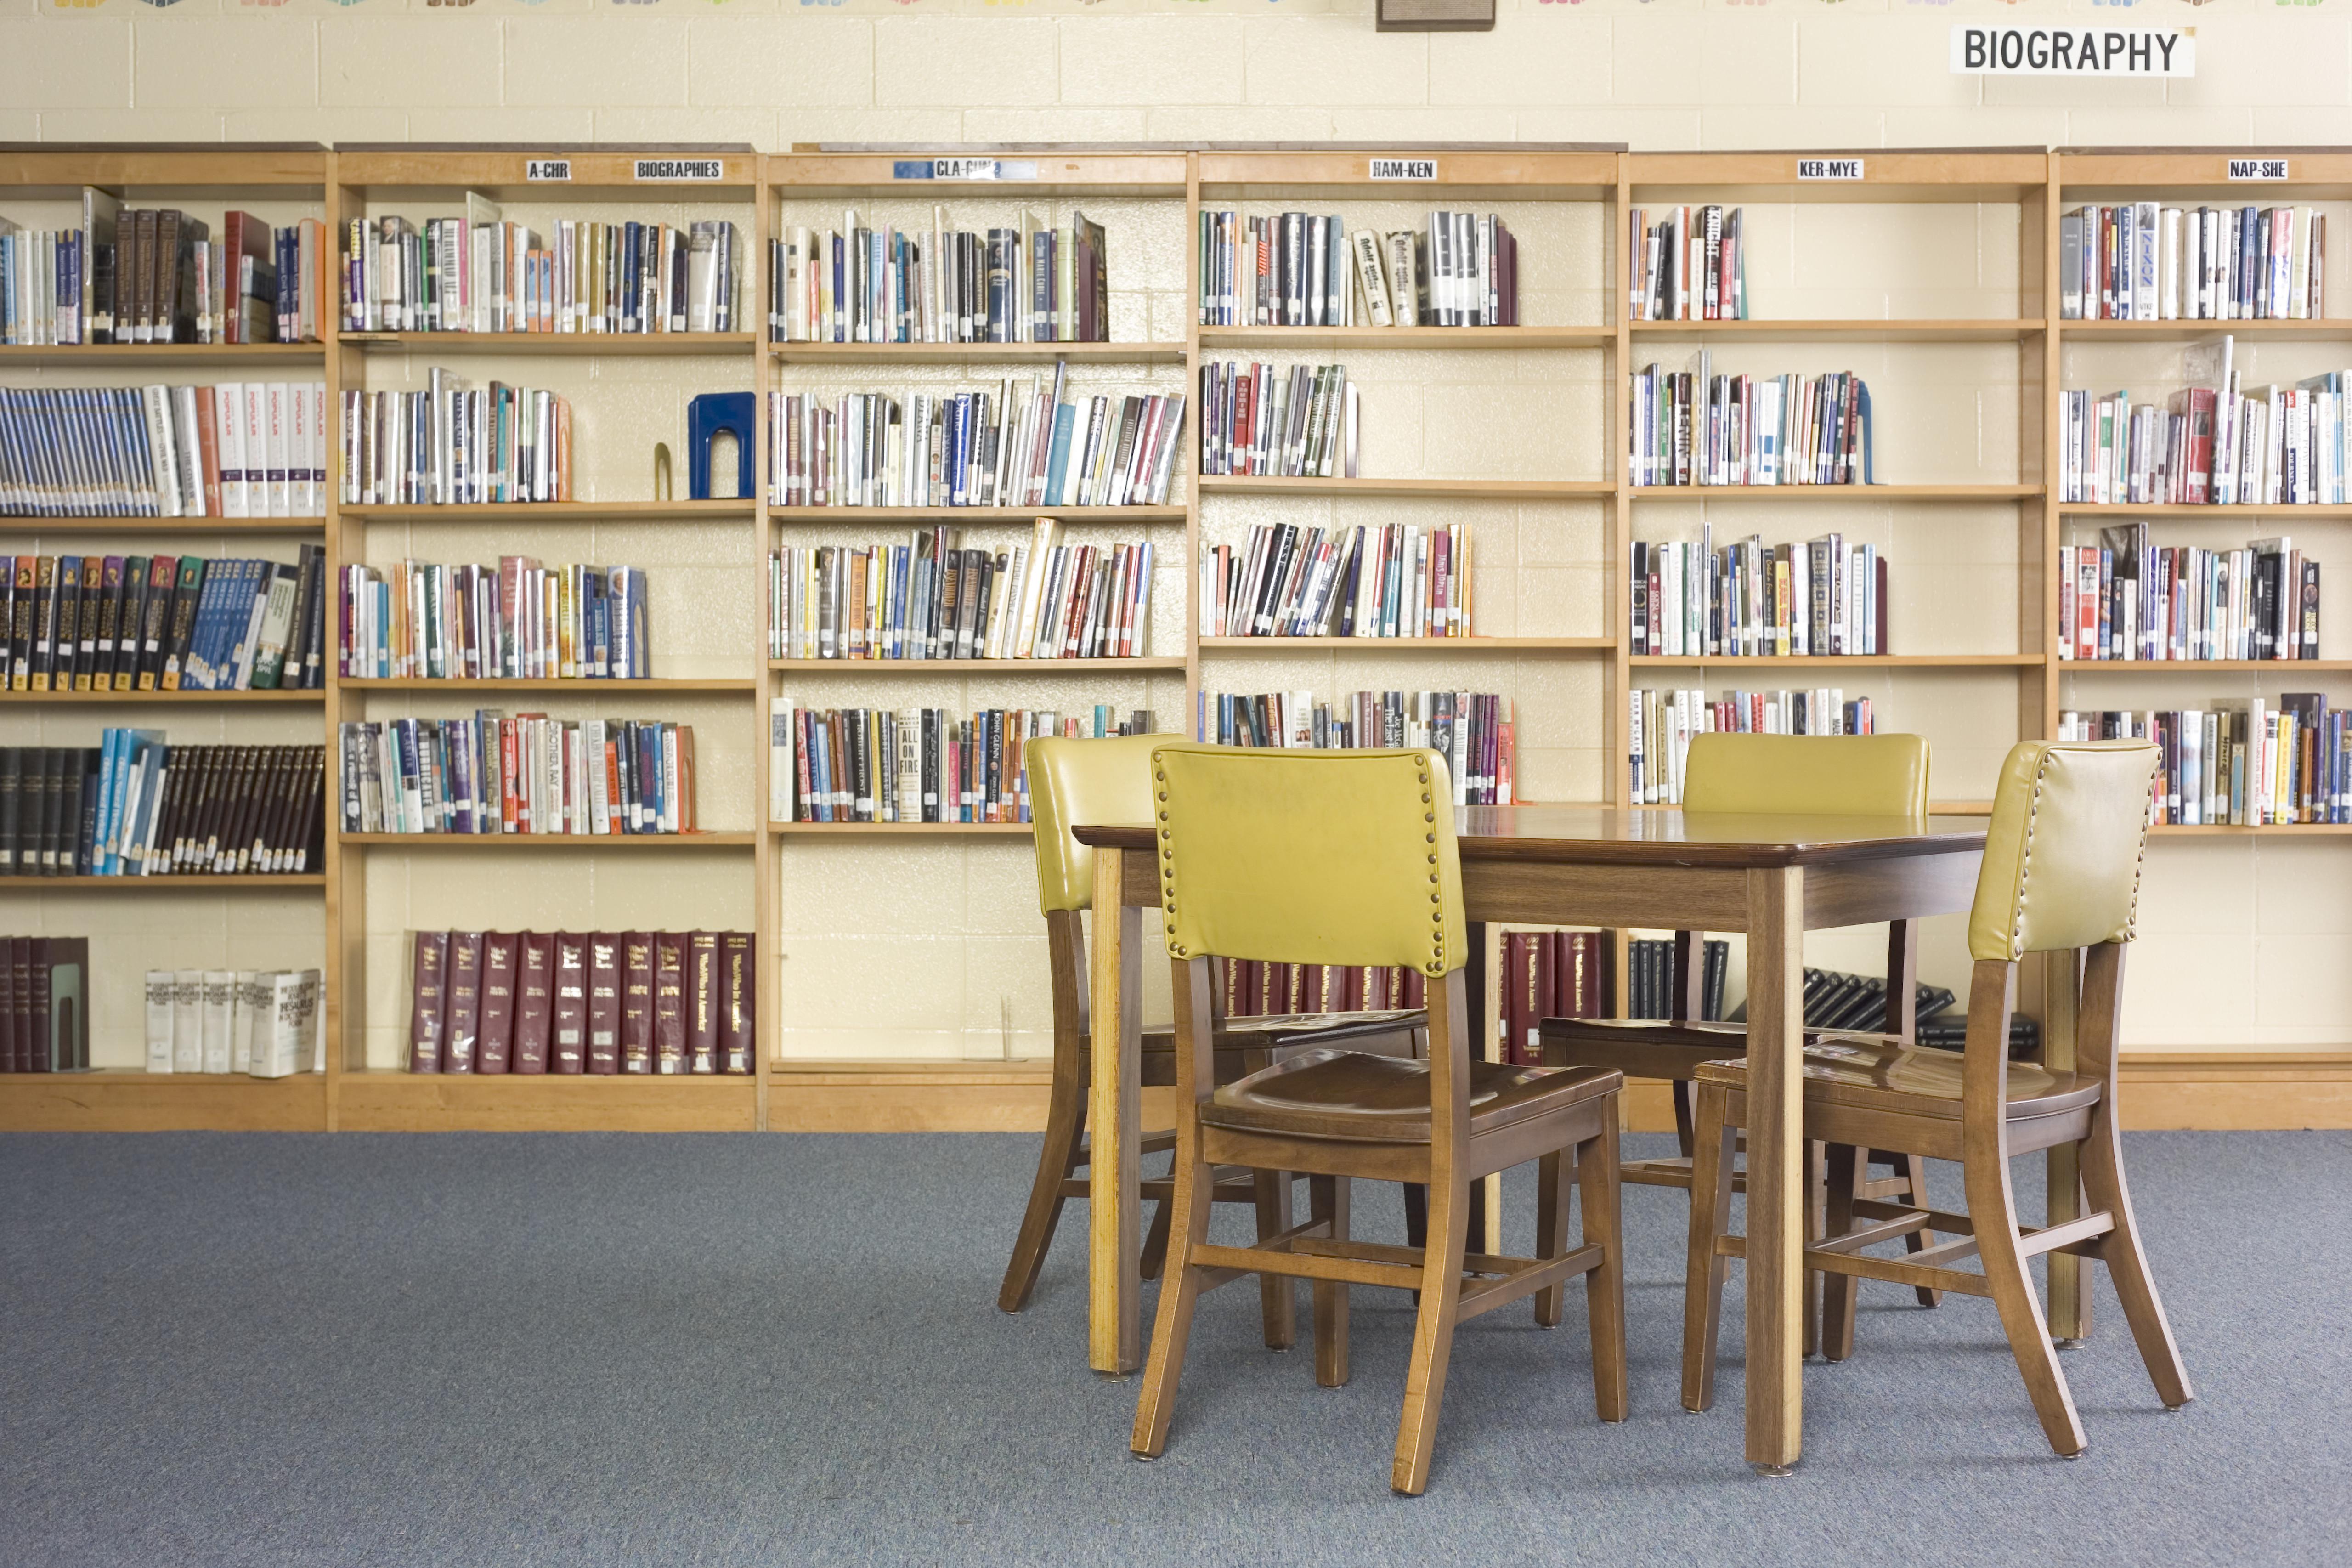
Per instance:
(480,274)
(236,449)
(261,1021)
(1305,270)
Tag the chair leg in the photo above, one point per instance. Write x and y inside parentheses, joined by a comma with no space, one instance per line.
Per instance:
(1155,1240)
(1327,1203)
(1432,1337)
(1277,1295)
(1846,1170)
(1710,1217)
(2103,1180)
(1993,1207)
(1815,1182)
(1155,1402)
(1604,1283)
(1065,1122)
(1554,1172)
(1416,1214)
(1913,1171)
(1686,1118)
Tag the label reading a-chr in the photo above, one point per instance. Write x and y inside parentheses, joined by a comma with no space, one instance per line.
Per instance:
(536,169)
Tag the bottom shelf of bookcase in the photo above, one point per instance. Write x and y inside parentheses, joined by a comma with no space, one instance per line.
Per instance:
(392,1101)
(162,1103)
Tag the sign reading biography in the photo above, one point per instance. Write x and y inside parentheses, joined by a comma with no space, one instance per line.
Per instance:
(694,170)
(2072,51)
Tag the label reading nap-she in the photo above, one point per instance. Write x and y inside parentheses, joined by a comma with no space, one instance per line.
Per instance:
(704,170)
(1403,169)
(2258,168)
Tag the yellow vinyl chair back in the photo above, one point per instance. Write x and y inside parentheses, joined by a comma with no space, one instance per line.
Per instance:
(2063,852)
(1342,858)
(1810,775)
(1102,782)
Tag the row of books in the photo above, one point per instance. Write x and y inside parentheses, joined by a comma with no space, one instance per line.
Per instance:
(1294,270)
(916,764)
(1834,999)
(518,620)
(1688,264)
(932,599)
(262,1022)
(1662,722)
(147,275)
(1037,283)
(1751,599)
(1548,974)
(1397,581)
(136,805)
(1255,419)
(661,1003)
(2124,599)
(234,450)
(1258,988)
(494,774)
(455,444)
(1650,978)
(2140,261)
(478,273)
(1695,428)
(162,623)
(1473,730)
(2209,445)
(2262,763)
(1016,446)
(43,1003)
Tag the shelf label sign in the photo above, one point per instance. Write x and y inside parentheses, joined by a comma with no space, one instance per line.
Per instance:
(537,169)
(2258,168)
(1403,169)
(688,169)
(962,169)
(2073,51)
(1829,168)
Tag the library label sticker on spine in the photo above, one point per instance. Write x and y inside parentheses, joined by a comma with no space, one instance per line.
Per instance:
(2258,169)
(695,169)
(1829,168)
(1403,169)
(537,169)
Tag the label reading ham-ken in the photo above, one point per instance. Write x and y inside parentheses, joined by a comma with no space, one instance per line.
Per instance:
(1404,169)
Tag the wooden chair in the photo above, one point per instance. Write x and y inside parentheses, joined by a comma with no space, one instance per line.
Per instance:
(1072,781)
(1835,775)
(1349,857)
(2061,875)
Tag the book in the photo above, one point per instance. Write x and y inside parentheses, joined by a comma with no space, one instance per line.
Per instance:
(738,1009)
(428,1001)
(87,632)
(479,272)
(927,764)
(1309,269)
(1661,723)
(1473,730)
(1027,442)
(1400,580)
(1695,428)
(604,1002)
(455,444)
(534,1001)
(669,1002)
(1029,281)
(136,805)
(1817,598)
(568,1021)
(2214,441)
(1687,264)
(45,990)
(461,1042)
(135,451)
(2145,261)
(494,1040)
(934,599)
(220,1004)
(2253,762)
(514,619)
(289,1043)
(1257,418)
(495,773)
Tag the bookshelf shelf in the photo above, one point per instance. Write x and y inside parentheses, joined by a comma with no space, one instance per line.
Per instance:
(634,344)
(1868,330)
(1845,660)
(2316,513)
(382,1100)
(1000,516)
(164,527)
(2324,329)
(1408,645)
(1151,665)
(229,356)
(975,354)
(162,699)
(555,512)
(1836,492)
(1464,489)
(640,841)
(899,829)
(730,686)
(1278,340)
(2284,667)
(133,1102)
(208,883)
(2240,830)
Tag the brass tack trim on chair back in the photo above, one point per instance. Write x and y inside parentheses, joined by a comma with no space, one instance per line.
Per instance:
(1072,781)
(1824,775)
(2063,850)
(1339,858)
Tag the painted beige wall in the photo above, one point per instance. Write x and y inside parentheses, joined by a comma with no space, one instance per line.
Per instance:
(930,949)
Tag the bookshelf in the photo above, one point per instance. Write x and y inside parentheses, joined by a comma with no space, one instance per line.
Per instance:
(897,961)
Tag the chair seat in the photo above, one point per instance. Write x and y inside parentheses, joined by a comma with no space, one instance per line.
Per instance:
(1866,1072)
(1651,1048)
(1385,1100)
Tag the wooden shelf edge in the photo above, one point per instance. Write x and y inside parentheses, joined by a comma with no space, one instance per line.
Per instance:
(581,841)
(545,683)
(1407,645)
(1159,664)
(901,829)
(208,882)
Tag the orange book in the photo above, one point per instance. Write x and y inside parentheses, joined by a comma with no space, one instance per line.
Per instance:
(612,786)
(562,449)
(208,448)
(687,822)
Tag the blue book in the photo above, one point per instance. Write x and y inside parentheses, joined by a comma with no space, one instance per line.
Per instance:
(196,674)
(110,747)
(1057,458)
(229,622)
(898,623)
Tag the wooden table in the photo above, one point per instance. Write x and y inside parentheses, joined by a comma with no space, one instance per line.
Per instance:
(1773,878)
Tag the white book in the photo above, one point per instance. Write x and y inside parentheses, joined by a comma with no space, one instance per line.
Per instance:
(188,1020)
(249,1003)
(163,460)
(289,1043)
(228,407)
(160,1011)
(219,993)
(1374,279)
(188,465)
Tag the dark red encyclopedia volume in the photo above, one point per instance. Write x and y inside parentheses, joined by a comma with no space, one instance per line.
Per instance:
(604,1003)
(460,1041)
(535,1001)
(637,1002)
(738,1017)
(493,1047)
(426,1001)
(570,1028)
(669,1002)
(702,1002)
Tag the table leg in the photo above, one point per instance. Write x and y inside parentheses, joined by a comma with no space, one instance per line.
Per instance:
(1114,1280)
(1485,1222)
(2070,1304)
(1776,1165)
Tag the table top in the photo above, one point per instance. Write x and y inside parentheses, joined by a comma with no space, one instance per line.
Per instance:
(1611,835)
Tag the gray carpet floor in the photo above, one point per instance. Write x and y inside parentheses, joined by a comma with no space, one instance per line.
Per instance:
(583,1350)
